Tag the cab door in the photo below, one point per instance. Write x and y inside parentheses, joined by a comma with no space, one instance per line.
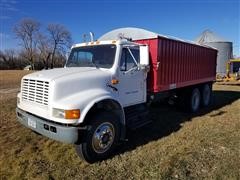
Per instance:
(132,79)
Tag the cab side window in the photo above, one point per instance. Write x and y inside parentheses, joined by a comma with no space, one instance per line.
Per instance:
(127,62)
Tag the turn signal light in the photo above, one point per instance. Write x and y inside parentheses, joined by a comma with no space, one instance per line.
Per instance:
(72,114)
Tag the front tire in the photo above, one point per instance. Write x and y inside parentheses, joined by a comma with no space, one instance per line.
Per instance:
(100,139)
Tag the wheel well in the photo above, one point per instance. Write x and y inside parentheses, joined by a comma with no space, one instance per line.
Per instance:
(111,106)
(106,105)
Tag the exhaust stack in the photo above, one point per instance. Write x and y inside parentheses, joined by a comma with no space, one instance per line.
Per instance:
(91,36)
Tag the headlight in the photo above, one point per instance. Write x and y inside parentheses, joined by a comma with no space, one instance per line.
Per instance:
(66,114)
(58,113)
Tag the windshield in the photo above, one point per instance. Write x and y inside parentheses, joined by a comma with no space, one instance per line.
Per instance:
(99,56)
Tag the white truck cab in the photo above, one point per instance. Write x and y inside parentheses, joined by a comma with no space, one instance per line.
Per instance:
(83,103)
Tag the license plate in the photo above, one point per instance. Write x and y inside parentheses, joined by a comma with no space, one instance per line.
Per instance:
(32,123)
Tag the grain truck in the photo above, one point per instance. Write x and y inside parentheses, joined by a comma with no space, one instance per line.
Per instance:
(107,86)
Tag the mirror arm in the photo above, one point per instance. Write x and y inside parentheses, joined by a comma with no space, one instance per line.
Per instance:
(130,70)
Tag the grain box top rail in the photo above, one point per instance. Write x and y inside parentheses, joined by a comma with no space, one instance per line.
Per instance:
(140,34)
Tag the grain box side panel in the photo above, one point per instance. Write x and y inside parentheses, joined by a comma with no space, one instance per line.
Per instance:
(182,64)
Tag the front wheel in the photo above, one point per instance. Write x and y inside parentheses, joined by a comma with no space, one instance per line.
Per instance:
(101,138)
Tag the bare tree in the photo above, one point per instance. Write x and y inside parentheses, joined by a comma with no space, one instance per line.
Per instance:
(44,50)
(26,31)
(60,39)
(60,59)
(8,59)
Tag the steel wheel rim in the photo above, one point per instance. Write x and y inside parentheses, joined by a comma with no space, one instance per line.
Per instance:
(103,137)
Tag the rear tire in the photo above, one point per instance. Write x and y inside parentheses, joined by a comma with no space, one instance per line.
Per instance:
(100,139)
(194,100)
(189,99)
(206,95)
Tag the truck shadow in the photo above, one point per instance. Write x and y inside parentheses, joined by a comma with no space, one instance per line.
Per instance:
(168,119)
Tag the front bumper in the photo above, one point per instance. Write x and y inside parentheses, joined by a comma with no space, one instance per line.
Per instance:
(59,132)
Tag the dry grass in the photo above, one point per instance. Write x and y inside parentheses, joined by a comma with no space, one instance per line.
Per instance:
(11,78)
(175,146)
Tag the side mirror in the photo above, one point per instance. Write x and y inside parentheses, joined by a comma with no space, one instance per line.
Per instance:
(144,55)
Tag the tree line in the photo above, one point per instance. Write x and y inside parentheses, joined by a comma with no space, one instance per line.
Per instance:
(38,49)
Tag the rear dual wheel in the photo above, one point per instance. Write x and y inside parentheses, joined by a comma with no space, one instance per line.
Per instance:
(206,95)
(193,98)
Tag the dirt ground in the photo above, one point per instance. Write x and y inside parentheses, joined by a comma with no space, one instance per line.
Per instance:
(175,145)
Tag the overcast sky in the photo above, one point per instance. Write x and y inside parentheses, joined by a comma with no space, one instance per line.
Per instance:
(185,19)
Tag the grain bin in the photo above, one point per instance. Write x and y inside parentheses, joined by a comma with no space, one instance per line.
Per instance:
(223,46)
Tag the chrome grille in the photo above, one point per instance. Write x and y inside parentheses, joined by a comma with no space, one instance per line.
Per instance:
(35,91)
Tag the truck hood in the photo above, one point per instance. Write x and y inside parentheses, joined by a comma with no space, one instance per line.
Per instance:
(73,81)
(65,82)
(49,75)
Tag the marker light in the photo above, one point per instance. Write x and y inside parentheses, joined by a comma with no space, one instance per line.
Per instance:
(114,81)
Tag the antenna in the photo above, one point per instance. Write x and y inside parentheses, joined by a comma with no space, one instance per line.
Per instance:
(84,37)
(91,36)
